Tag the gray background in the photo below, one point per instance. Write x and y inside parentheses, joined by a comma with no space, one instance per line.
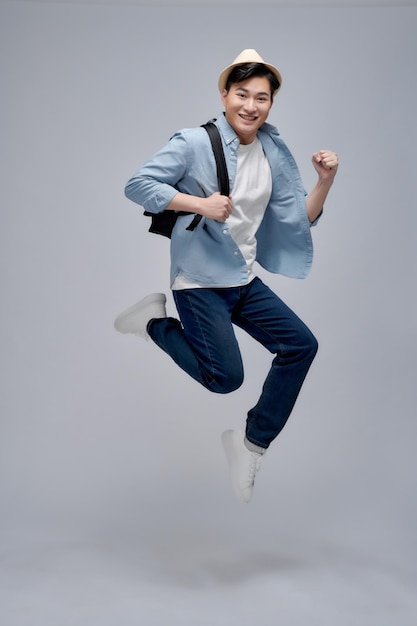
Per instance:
(115,501)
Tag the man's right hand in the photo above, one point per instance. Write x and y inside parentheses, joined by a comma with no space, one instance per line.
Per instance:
(216,207)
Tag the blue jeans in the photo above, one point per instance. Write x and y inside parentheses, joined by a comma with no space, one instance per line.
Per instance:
(204,345)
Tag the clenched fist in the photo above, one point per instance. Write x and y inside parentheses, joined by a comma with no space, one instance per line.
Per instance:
(325,163)
(217,207)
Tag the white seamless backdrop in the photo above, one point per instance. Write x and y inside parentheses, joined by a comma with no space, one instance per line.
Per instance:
(115,501)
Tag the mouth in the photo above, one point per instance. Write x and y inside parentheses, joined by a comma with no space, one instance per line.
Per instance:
(248,118)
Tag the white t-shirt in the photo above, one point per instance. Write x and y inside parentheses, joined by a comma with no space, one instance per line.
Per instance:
(250,196)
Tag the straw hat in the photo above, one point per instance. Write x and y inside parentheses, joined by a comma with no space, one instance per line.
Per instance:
(247,56)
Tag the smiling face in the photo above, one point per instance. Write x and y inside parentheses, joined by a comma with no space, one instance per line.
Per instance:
(247,105)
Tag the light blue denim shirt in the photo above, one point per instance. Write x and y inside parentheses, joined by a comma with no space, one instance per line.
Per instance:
(208,255)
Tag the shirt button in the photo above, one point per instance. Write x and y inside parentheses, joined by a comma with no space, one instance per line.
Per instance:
(236,252)
(225,231)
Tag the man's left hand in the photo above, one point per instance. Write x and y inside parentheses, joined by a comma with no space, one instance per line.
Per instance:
(325,163)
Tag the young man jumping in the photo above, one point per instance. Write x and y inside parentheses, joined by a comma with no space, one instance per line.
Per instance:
(267,218)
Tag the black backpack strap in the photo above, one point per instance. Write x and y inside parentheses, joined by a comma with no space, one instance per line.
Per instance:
(222,175)
(216,142)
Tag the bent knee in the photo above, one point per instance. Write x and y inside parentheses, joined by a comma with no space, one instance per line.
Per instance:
(310,345)
(227,382)
(304,347)
(314,345)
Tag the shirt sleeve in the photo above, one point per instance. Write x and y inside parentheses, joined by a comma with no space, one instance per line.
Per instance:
(154,185)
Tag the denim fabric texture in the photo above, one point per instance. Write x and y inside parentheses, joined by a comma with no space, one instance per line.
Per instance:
(208,255)
(204,345)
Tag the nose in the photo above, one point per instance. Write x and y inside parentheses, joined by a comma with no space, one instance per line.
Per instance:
(250,104)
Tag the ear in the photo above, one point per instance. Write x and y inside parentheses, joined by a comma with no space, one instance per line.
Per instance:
(223,95)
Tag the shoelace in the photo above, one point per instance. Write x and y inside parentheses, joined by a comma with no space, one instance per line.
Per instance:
(255,463)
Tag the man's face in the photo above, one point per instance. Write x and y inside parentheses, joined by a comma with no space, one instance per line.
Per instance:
(247,105)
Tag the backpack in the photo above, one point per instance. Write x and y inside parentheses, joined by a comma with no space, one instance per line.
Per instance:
(163,223)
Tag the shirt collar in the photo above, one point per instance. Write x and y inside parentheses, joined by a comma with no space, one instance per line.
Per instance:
(227,131)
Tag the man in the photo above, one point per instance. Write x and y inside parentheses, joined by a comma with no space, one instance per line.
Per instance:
(266,218)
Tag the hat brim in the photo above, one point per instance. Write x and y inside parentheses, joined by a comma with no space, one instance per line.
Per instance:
(225,73)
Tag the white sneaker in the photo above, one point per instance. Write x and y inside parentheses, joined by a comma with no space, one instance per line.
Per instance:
(243,464)
(135,319)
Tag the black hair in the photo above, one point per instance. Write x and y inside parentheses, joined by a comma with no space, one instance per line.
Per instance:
(248,70)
